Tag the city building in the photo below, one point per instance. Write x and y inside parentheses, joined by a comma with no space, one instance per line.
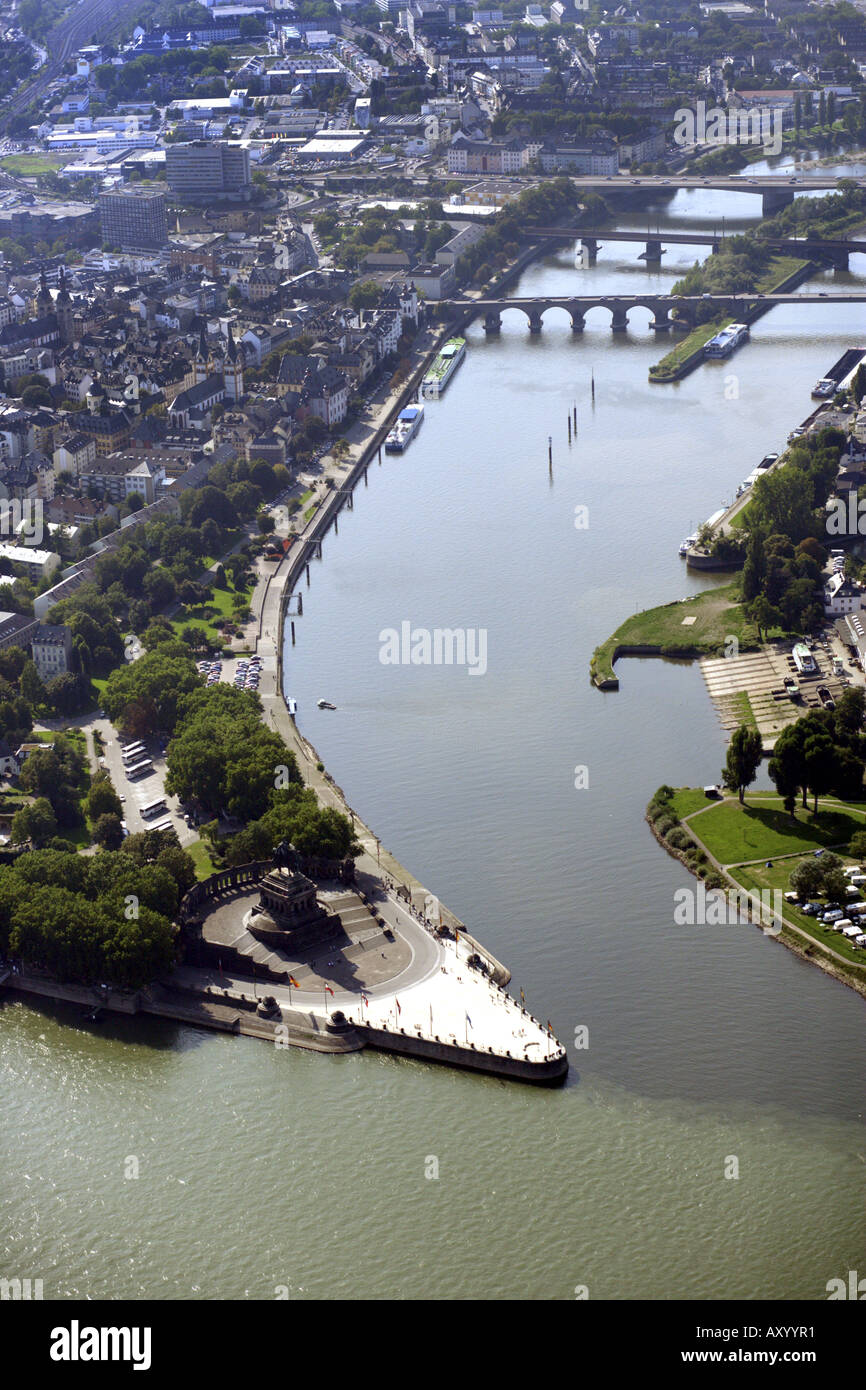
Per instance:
(134,218)
(51,646)
(37,563)
(199,170)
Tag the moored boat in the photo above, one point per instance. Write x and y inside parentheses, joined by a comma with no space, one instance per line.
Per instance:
(443,368)
(408,424)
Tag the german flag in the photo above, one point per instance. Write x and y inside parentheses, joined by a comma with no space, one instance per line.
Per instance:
(293,981)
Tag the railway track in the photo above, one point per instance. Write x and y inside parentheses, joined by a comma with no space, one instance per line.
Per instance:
(73,29)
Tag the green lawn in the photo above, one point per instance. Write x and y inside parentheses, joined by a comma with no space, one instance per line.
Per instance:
(717,617)
(758,830)
(29,165)
(75,736)
(689,799)
(203,616)
(686,346)
(204,865)
(742,706)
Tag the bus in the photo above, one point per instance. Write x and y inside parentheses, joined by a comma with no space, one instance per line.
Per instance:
(166,824)
(142,769)
(133,752)
(153,808)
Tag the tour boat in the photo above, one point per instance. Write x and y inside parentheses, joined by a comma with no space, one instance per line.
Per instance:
(443,368)
(407,426)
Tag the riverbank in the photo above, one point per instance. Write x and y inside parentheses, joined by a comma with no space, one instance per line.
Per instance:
(784,274)
(273,610)
(673,819)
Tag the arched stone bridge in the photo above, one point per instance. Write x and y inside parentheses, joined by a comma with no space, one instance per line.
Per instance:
(659,305)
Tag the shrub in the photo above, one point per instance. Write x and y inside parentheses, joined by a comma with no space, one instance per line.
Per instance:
(664,824)
(679,839)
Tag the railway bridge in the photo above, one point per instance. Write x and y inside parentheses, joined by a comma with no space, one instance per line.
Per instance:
(833,252)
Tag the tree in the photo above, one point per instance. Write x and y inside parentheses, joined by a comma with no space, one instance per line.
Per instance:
(835,885)
(820,758)
(807,879)
(32,688)
(102,799)
(743,760)
(857,847)
(211,537)
(764,615)
(108,832)
(787,770)
(36,822)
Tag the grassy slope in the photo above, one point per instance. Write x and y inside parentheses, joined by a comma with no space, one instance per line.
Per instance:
(717,614)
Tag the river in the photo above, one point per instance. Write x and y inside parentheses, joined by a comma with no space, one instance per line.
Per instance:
(261,1168)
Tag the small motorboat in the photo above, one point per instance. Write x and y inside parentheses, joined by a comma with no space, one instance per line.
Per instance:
(326,704)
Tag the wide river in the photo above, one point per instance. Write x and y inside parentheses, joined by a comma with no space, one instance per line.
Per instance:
(260,1168)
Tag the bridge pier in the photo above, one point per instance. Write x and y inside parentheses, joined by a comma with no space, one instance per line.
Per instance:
(660,324)
(619,322)
(492,323)
(535,321)
(653,252)
(577,322)
(837,259)
(589,249)
(773,200)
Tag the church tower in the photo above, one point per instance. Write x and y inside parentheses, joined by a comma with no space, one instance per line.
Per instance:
(65,310)
(233,370)
(42,303)
(202,358)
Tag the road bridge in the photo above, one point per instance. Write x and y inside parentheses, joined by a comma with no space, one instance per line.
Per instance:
(833,252)
(619,306)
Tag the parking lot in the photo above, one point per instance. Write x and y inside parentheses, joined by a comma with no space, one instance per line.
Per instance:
(137,792)
(244,672)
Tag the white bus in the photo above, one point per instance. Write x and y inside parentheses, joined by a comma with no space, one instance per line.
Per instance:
(142,769)
(166,824)
(153,808)
(133,752)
